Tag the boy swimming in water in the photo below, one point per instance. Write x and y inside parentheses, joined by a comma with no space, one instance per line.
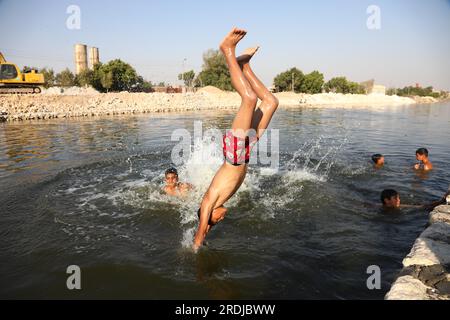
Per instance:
(173,187)
(424,163)
(378,160)
(247,127)
(391,200)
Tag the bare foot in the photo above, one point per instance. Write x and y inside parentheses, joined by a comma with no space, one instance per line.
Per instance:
(230,41)
(246,55)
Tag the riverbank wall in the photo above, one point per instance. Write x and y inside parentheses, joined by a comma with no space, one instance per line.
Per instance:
(425,274)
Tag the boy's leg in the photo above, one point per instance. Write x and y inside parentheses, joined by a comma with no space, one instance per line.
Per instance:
(243,119)
(269,103)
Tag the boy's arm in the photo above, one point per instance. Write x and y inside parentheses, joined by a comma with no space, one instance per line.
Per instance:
(413,206)
(431,206)
(188,186)
(439,202)
(428,206)
(205,213)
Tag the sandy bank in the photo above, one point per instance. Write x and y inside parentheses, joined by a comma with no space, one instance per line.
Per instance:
(76,102)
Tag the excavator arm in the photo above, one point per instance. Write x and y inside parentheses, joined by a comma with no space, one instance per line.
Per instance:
(2,58)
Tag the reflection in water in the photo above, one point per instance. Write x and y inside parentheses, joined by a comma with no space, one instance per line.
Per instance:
(211,271)
(422,174)
(25,142)
(27,146)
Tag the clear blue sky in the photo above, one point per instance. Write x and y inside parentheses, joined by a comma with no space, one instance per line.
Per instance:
(413,44)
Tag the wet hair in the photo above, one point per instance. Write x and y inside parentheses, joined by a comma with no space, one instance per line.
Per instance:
(422,151)
(376,157)
(387,194)
(171,170)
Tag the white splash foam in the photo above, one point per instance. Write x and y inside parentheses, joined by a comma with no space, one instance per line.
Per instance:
(303,174)
(311,162)
(188,237)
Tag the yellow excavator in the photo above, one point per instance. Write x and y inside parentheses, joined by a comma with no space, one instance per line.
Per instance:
(14,81)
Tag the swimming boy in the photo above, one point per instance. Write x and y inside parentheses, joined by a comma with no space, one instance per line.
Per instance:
(424,163)
(247,127)
(391,200)
(378,160)
(173,187)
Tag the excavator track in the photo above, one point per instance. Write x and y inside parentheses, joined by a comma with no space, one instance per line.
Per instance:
(20,90)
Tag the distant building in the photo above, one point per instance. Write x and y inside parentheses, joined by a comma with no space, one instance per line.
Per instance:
(371,87)
(168,89)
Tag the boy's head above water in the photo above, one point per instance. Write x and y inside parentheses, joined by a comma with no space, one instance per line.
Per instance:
(421,154)
(171,176)
(424,163)
(378,159)
(390,198)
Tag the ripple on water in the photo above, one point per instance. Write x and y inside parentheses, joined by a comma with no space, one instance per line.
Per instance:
(314,217)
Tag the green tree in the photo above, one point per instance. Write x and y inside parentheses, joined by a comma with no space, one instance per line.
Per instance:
(312,83)
(342,85)
(187,77)
(118,75)
(85,78)
(418,91)
(142,85)
(215,71)
(49,77)
(106,79)
(391,91)
(198,82)
(162,84)
(65,78)
(337,84)
(292,78)
(147,86)
(355,88)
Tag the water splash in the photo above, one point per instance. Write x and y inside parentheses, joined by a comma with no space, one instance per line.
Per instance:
(136,184)
(130,163)
(311,162)
(199,169)
(314,160)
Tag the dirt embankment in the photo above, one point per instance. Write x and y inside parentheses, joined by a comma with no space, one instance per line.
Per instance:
(79,102)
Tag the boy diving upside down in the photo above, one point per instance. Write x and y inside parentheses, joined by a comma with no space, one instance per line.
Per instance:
(248,125)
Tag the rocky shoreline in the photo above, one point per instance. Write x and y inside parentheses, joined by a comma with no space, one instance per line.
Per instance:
(426,269)
(91,103)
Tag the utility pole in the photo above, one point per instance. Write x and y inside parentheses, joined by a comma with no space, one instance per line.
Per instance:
(182,74)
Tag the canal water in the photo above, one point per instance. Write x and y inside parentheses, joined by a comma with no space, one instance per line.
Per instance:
(307,225)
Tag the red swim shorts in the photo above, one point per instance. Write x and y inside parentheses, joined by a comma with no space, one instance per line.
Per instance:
(236,150)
